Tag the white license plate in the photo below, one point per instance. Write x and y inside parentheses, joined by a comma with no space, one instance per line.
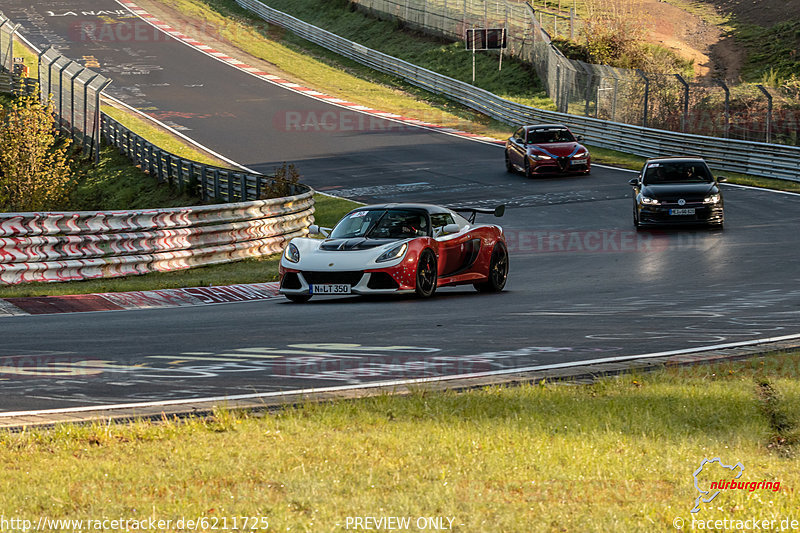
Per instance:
(330,288)
(578,162)
(682,211)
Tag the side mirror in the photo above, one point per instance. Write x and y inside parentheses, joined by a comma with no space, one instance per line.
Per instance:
(633,182)
(447,230)
(580,138)
(722,179)
(313,229)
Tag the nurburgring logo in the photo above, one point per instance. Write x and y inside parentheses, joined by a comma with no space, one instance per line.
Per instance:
(707,496)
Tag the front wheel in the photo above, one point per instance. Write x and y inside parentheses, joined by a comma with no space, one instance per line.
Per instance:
(427,274)
(498,270)
(509,166)
(528,169)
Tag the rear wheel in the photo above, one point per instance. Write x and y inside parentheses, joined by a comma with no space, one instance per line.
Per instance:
(298,298)
(509,166)
(498,270)
(427,274)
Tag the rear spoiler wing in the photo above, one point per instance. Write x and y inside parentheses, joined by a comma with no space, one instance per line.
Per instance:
(497,211)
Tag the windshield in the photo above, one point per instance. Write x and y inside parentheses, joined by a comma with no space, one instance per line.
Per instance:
(550,136)
(382,224)
(677,172)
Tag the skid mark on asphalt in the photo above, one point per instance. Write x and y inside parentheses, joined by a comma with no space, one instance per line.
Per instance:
(737,313)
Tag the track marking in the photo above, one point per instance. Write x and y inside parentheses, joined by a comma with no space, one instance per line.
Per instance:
(394,383)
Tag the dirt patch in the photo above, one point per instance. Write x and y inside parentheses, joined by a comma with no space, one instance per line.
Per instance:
(687,34)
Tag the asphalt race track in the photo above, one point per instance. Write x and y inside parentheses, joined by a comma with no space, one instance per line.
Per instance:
(583,285)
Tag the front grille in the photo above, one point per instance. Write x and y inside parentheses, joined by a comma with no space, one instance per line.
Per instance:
(382,280)
(341,277)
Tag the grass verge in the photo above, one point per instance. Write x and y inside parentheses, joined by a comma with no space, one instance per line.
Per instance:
(617,455)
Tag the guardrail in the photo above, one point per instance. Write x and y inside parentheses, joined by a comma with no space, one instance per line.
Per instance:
(86,245)
(757,159)
(209,182)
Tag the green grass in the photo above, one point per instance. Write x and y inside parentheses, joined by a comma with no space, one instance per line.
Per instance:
(772,53)
(256,270)
(617,455)
(29,58)
(115,184)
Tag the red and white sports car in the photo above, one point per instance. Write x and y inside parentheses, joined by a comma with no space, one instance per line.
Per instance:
(396,248)
(546,149)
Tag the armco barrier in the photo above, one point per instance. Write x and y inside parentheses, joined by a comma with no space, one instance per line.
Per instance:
(209,182)
(86,245)
(757,159)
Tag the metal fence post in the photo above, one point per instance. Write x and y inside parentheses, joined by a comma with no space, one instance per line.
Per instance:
(769,112)
(727,127)
(72,103)
(646,96)
(85,113)
(685,117)
(96,140)
(572,23)
(61,96)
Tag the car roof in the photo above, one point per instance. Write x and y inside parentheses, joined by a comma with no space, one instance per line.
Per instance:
(546,127)
(430,208)
(673,159)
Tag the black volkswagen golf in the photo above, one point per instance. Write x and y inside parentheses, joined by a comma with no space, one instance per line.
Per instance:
(677,190)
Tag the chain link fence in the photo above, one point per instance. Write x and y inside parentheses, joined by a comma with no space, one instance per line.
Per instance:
(7,31)
(662,101)
(75,91)
(10,81)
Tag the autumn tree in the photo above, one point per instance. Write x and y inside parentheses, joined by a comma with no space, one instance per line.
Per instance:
(35,172)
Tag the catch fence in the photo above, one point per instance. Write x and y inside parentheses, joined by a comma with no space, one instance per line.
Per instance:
(659,100)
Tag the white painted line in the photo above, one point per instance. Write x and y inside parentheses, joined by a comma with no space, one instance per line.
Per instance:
(750,187)
(393,383)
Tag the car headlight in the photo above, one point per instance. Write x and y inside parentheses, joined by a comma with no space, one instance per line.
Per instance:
(395,253)
(539,157)
(711,199)
(646,200)
(580,154)
(291,253)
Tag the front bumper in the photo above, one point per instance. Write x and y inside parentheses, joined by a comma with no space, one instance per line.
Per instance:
(385,281)
(561,165)
(661,215)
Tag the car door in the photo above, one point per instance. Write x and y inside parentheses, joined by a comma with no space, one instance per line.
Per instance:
(516,152)
(454,248)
